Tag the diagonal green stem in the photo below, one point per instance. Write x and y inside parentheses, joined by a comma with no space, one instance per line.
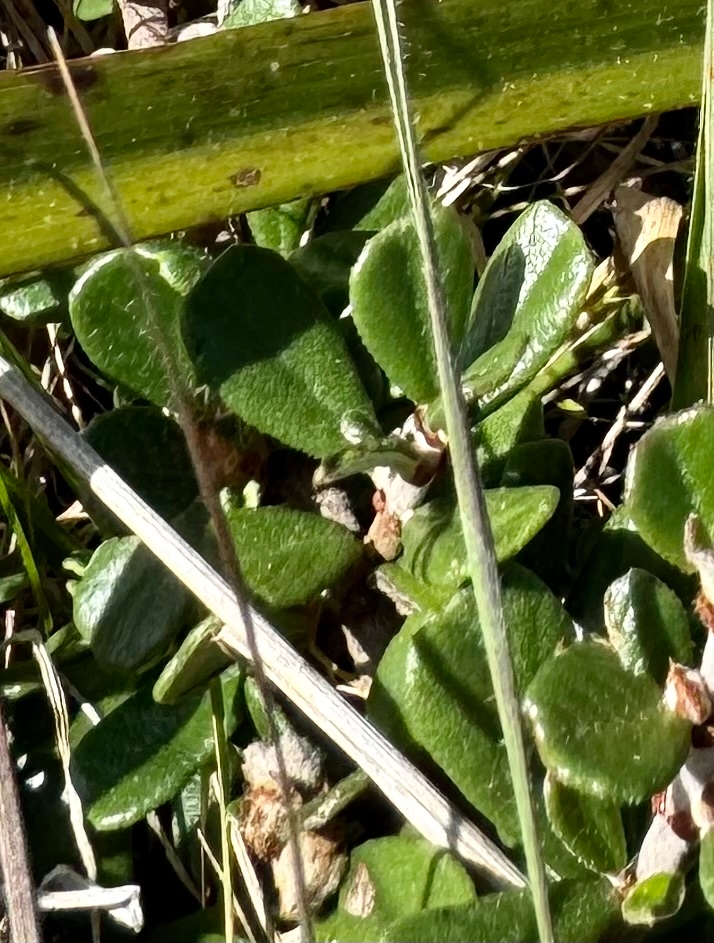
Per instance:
(472,506)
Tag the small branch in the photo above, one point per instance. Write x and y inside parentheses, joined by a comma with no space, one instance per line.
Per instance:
(14,861)
(402,783)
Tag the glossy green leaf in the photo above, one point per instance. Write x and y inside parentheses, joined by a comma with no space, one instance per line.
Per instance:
(288,557)
(602,729)
(143,753)
(669,477)
(262,338)
(92,9)
(658,897)
(706,866)
(122,301)
(433,688)
(647,624)
(389,305)
(325,263)
(250,12)
(581,910)
(396,876)
(590,828)
(198,659)
(433,541)
(32,299)
(148,450)
(279,228)
(526,303)
(128,605)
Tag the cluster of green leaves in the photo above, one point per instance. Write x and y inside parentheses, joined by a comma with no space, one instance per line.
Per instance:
(316,348)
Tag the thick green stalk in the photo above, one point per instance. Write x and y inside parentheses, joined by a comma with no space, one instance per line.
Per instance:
(475,523)
(251,117)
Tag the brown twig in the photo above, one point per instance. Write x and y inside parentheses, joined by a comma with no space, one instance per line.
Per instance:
(14,860)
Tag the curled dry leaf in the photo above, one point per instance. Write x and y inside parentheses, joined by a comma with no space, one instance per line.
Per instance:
(359,899)
(263,816)
(385,531)
(145,22)
(323,866)
(303,763)
(646,229)
(699,552)
(686,694)
(263,820)
(396,498)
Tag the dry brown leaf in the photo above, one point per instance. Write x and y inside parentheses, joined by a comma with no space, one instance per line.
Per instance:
(646,229)
(323,864)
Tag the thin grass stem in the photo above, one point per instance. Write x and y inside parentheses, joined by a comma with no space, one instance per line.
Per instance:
(472,505)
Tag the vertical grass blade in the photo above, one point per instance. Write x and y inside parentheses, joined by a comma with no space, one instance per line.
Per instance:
(695,366)
(472,506)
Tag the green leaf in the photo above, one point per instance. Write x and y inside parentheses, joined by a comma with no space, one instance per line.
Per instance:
(50,542)
(546,462)
(203,926)
(426,876)
(12,584)
(120,302)
(260,337)
(582,910)
(669,477)
(279,228)
(325,264)
(33,299)
(143,753)
(590,828)
(128,605)
(602,729)
(249,12)
(288,557)
(647,624)
(397,876)
(389,305)
(706,866)
(526,303)
(433,688)
(198,659)
(658,897)
(369,207)
(434,551)
(518,421)
(24,545)
(92,9)
(82,723)
(148,450)
(609,552)
(400,455)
